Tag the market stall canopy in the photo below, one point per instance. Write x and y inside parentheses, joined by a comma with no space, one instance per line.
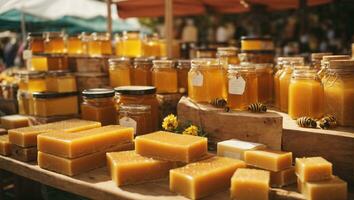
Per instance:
(77,15)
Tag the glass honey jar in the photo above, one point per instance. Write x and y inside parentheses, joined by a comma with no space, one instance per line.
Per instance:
(151,46)
(206,80)
(305,94)
(228,55)
(74,44)
(316,59)
(183,68)
(242,86)
(142,74)
(339,91)
(325,63)
(35,42)
(136,116)
(120,71)
(32,81)
(205,52)
(131,44)
(60,81)
(265,82)
(118,44)
(99,105)
(99,44)
(85,38)
(164,76)
(54,42)
(142,95)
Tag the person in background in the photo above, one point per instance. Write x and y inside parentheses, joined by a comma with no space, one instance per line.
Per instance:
(10,52)
(190,32)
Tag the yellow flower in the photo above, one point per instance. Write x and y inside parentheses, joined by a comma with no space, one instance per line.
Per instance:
(191,130)
(170,123)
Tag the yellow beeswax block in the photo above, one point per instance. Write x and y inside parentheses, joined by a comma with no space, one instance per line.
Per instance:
(128,167)
(171,146)
(24,154)
(331,189)
(14,121)
(313,169)
(283,177)
(250,184)
(27,136)
(5,145)
(72,167)
(200,179)
(235,148)
(269,159)
(82,143)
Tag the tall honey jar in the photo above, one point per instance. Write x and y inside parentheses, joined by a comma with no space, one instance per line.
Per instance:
(136,116)
(316,59)
(120,71)
(242,86)
(228,55)
(142,74)
(183,68)
(99,44)
(339,91)
(131,44)
(54,42)
(151,46)
(284,81)
(74,44)
(142,95)
(206,80)
(265,79)
(164,76)
(305,94)
(99,105)
(325,63)
(35,42)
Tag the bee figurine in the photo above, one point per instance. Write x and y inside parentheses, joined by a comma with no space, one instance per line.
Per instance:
(327,122)
(218,102)
(306,122)
(257,107)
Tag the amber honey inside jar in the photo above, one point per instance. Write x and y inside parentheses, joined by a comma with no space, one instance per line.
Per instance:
(35,42)
(142,74)
(118,44)
(99,44)
(339,91)
(151,46)
(131,44)
(120,71)
(183,68)
(57,62)
(60,81)
(74,44)
(32,81)
(206,80)
(99,105)
(204,52)
(242,86)
(305,94)
(265,82)
(54,42)
(142,95)
(136,116)
(38,63)
(164,76)
(228,55)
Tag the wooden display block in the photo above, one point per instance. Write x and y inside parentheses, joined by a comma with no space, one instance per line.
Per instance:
(9,106)
(90,64)
(265,128)
(91,80)
(336,146)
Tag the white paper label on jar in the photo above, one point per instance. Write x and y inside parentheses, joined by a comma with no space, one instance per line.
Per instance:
(27,54)
(128,122)
(237,85)
(197,79)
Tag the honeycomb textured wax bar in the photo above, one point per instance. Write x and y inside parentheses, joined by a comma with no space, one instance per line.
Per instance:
(72,167)
(27,136)
(331,189)
(235,148)
(14,121)
(199,179)
(128,167)
(5,145)
(313,169)
(269,159)
(283,177)
(171,146)
(81,143)
(250,184)
(24,154)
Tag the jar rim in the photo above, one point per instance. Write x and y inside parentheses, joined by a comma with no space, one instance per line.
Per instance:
(135,90)
(319,56)
(98,93)
(119,60)
(51,95)
(163,63)
(335,57)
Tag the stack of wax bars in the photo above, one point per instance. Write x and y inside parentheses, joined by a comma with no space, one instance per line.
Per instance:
(316,181)
(82,151)
(24,140)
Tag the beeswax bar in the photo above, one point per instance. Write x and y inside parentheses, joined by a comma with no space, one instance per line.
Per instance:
(250,184)
(269,159)
(313,169)
(171,146)
(283,177)
(128,167)
(331,189)
(235,148)
(5,145)
(14,121)
(24,154)
(27,136)
(72,167)
(82,143)
(199,179)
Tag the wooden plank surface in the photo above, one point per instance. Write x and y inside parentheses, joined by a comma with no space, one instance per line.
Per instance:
(98,185)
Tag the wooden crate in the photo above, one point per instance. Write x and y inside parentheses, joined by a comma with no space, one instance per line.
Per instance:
(264,128)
